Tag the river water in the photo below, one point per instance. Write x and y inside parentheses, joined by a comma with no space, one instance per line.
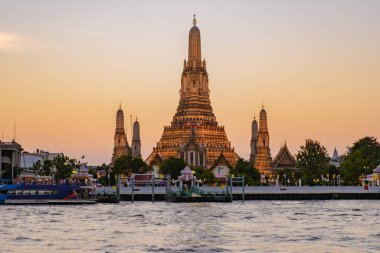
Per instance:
(253,226)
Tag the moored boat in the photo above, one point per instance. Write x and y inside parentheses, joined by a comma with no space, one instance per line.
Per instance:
(41,194)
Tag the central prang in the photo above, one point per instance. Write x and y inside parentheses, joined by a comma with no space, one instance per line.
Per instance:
(194,134)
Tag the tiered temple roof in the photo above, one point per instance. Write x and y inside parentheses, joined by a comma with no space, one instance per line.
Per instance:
(284,159)
(194,133)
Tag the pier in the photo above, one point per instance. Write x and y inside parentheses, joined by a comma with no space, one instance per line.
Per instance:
(145,193)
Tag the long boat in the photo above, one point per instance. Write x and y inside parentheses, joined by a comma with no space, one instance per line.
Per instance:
(41,194)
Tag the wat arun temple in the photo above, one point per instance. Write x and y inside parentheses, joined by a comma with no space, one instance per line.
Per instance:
(194,134)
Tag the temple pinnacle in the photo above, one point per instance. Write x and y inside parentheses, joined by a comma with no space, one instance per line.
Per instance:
(194,21)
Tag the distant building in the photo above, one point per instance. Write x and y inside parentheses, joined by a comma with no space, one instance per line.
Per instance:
(284,160)
(121,146)
(136,142)
(263,157)
(10,155)
(29,159)
(335,160)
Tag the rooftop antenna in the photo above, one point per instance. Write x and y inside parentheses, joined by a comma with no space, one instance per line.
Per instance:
(14,132)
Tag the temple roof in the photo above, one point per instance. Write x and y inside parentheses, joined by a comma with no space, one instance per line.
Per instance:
(377,170)
(335,155)
(157,160)
(284,159)
(186,174)
(220,161)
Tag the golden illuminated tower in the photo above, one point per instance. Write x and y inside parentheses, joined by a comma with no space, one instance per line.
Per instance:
(121,146)
(194,133)
(263,156)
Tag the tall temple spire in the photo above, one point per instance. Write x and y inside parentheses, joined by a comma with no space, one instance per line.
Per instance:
(263,121)
(136,142)
(194,134)
(121,146)
(195,56)
(254,140)
(120,121)
(263,156)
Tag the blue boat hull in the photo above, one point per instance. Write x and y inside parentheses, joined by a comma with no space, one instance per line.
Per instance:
(36,193)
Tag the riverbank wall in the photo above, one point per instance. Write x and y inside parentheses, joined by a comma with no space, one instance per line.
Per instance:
(146,193)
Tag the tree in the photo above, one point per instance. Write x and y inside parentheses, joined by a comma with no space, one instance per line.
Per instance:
(251,174)
(172,166)
(121,164)
(63,166)
(313,161)
(105,169)
(45,170)
(360,159)
(128,165)
(204,174)
(37,166)
(138,166)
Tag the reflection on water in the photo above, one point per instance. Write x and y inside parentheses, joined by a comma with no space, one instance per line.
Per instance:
(260,226)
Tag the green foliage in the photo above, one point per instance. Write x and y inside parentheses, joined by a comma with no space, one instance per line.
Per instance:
(172,166)
(360,160)
(45,170)
(103,180)
(128,165)
(64,167)
(204,174)
(313,161)
(251,174)
(37,167)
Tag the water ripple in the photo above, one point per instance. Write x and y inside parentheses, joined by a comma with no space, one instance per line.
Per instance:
(256,226)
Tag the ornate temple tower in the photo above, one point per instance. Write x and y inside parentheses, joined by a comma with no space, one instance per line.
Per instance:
(254,139)
(136,142)
(121,146)
(194,133)
(263,156)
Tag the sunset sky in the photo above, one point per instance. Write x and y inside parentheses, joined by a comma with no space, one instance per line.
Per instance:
(65,65)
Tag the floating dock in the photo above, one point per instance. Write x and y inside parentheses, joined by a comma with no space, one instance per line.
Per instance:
(257,193)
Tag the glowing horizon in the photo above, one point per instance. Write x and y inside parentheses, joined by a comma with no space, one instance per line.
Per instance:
(64,67)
